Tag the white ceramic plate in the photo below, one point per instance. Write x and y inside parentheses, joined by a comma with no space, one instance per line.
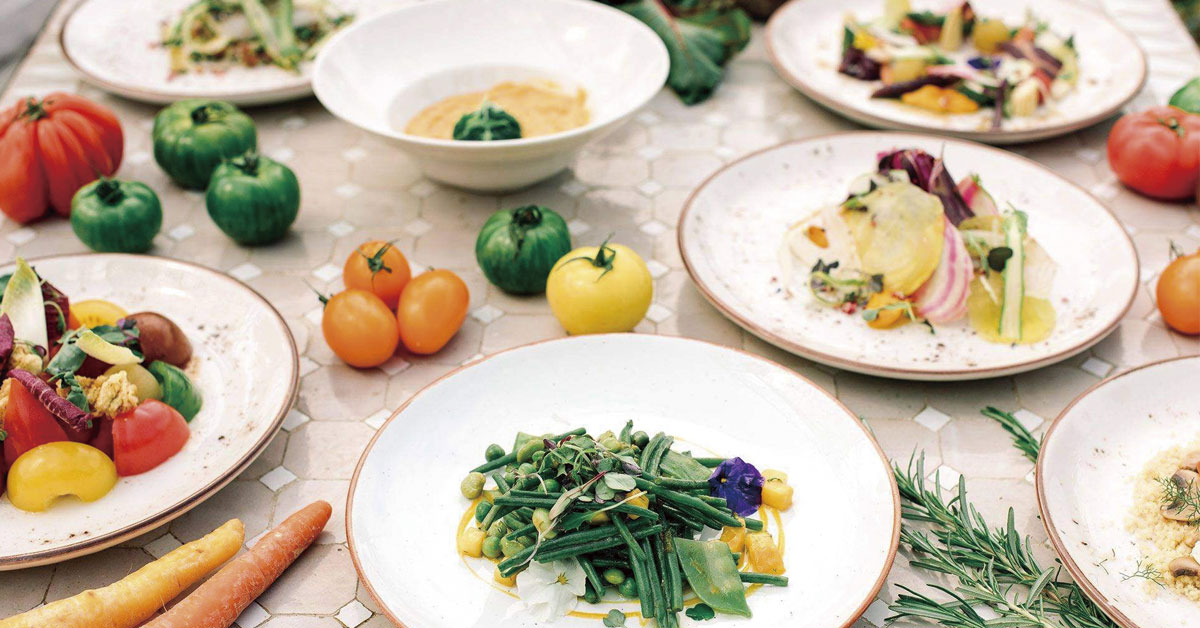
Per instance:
(804,39)
(404,505)
(245,366)
(115,45)
(617,59)
(732,226)
(1091,457)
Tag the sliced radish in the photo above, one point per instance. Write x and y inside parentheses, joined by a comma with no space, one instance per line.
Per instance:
(977,198)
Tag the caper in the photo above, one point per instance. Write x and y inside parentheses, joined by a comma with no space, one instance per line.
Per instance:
(493,452)
(472,485)
(525,453)
(613,575)
(481,510)
(491,547)
(641,439)
(628,588)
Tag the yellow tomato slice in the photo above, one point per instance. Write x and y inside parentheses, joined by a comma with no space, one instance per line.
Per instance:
(898,235)
(96,312)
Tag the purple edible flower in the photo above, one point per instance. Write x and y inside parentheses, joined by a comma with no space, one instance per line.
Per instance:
(982,63)
(739,484)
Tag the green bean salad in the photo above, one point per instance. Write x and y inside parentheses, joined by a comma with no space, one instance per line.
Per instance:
(566,517)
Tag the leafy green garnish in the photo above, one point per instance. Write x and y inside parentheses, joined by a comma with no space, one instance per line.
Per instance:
(614,619)
(701,612)
(701,37)
(926,18)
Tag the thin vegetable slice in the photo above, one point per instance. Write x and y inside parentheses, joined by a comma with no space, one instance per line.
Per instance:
(943,298)
(1013,298)
(712,572)
(105,351)
(22,302)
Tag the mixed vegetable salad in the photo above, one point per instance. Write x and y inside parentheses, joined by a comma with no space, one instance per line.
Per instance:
(90,392)
(911,244)
(567,516)
(958,62)
(211,34)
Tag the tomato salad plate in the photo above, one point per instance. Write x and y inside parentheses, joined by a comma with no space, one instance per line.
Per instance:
(133,389)
(247,52)
(1119,493)
(908,256)
(623,477)
(994,71)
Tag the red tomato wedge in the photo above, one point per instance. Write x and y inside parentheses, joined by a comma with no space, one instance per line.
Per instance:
(147,436)
(27,423)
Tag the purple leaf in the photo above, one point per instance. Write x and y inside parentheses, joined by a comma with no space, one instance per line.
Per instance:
(739,484)
(929,174)
(896,90)
(856,63)
(59,407)
(6,340)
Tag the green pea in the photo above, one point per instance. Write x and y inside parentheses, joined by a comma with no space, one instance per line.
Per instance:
(472,485)
(641,439)
(591,596)
(526,469)
(498,528)
(493,452)
(481,510)
(511,547)
(491,547)
(525,453)
(552,486)
(615,576)
(510,477)
(628,588)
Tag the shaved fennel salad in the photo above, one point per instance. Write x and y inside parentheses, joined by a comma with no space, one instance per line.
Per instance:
(958,62)
(910,244)
(216,34)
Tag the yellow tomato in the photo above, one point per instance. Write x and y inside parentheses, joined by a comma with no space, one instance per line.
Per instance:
(95,312)
(47,472)
(596,290)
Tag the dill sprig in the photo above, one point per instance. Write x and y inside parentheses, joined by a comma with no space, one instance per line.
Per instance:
(995,568)
(1144,571)
(1184,498)
(1029,444)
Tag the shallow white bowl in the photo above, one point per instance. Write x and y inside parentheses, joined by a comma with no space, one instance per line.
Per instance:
(381,72)
(245,365)
(1091,458)
(733,224)
(404,505)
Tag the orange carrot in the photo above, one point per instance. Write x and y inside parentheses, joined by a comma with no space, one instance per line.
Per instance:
(218,602)
(139,595)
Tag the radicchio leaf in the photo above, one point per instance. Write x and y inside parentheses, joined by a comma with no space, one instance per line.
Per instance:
(1001,96)
(7,335)
(896,90)
(58,310)
(739,483)
(856,63)
(59,407)
(1041,59)
(929,174)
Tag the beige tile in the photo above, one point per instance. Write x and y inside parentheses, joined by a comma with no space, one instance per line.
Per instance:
(518,329)
(966,399)
(326,450)
(321,581)
(247,500)
(301,621)
(25,589)
(975,448)
(342,393)
(406,383)
(1136,342)
(877,398)
(903,440)
(1047,391)
(684,169)
(619,171)
(301,493)
(270,458)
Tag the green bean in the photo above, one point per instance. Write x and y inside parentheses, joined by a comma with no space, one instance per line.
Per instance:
(754,525)
(589,571)
(641,584)
(501,483)
(688,501)
(481,510)
(537,494)
(606,562)
(623,530)
(716,502)
(710,462)
(656,460)
(674,574)
(686,519)
(627,433)
(519,532)
(763,578)
(510,458)
(649,449)
(655,584)
(590,595)
(592,546)
(682,485)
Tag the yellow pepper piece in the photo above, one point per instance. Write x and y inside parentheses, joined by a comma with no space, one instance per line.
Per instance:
(470,542)
(47,472)
(940,100)
(509,581)
(764,554)
(885,319)
(864,40)
(599,518)
(641,501)
(777,494)
(735,538)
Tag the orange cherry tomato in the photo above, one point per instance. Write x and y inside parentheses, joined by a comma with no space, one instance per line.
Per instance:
(1178,294)
(380,268)
(360,328)
(432,308)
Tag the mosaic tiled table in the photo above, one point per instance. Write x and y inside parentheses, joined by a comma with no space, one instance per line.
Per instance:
(633,185)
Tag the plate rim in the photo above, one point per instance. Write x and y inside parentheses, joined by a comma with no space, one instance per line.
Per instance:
(892,372)
(251,98)
(1056,541)
(858,114)
(896,509)
(166,515)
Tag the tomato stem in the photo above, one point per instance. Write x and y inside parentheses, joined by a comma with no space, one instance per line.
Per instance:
(1173,124)
(109,191)
(247,163)
(202,114)
(34,109)
(375,262)
(604,258)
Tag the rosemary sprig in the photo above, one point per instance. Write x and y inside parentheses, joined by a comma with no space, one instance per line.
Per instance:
(1029,444)
(993,567)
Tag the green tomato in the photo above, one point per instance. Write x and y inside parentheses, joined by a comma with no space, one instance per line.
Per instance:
(516,249)
(253,199)
(487,123)
(193,137)
(116,216)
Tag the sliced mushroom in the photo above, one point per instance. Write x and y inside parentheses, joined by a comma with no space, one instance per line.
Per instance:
(1191,461)
(1177,510)
(1184,566)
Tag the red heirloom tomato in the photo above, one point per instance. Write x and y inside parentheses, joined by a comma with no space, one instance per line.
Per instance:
(1157,152)
(27,424)
(51,148)
(147,436)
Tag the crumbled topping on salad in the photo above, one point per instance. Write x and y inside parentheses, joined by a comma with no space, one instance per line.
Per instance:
(108,395)
(25,358)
